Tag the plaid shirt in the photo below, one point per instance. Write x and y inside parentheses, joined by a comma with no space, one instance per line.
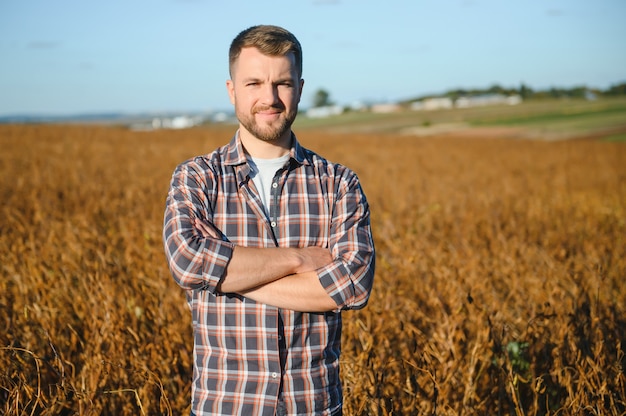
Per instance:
(246,353)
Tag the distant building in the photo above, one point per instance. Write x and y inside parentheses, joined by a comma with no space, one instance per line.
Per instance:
(358,106)
(178,122)
(590,95)
(323,112)
(221,117)
(444,103)
(385,108)
(429,104)
(487,99)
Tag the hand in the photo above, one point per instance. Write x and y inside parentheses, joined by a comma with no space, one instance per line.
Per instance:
(309,258)
(313,258)
(206,230)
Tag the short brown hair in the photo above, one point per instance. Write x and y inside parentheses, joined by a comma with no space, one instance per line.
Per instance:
(269,40)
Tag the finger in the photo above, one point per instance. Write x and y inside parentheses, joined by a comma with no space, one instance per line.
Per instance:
(204,229)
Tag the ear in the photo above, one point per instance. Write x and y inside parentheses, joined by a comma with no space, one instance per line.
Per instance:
(301,87)
(230,87)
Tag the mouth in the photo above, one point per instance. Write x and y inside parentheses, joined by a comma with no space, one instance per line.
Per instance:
(268,113)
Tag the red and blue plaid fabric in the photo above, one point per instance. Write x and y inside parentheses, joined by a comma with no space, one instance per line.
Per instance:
(246,353)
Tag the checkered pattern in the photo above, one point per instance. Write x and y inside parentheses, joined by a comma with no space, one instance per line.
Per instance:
(247,353)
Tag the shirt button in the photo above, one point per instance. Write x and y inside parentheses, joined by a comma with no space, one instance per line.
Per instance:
(274,185)
(273,224)
(274,375)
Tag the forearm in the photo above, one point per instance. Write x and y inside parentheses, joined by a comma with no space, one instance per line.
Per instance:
(301,292)
(252,267)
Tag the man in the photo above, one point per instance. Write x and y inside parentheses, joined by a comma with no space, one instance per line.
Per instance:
(270,242)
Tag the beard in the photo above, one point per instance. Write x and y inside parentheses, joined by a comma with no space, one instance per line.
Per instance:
(270,132)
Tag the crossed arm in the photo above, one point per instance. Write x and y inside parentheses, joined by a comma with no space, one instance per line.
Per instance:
(282,277)
(308,279)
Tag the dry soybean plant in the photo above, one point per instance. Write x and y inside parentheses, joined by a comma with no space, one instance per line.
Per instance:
(499,285)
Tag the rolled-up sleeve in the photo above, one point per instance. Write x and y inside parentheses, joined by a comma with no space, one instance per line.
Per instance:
(349,278)
(196,262)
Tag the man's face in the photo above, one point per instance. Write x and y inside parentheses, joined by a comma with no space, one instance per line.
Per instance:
(265,91)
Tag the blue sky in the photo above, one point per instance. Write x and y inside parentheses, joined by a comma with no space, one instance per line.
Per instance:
(64,57)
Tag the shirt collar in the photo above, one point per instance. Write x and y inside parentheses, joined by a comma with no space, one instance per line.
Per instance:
(235,154)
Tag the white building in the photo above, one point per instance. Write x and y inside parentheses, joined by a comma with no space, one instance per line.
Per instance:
(429,104)
(385,108)
(488,99)
(323,112)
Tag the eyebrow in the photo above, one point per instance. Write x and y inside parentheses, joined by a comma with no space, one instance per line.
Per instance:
(281,80)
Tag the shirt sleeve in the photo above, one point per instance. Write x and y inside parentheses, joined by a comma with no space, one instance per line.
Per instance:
(349,278)
(196,262)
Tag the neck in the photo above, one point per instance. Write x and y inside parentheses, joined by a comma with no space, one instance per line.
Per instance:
(263,149)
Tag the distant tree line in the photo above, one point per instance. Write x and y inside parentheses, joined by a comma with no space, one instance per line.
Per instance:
(321,97)
(617,89)
(527,92)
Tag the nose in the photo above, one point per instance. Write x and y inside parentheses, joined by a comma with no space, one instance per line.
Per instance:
(269,94)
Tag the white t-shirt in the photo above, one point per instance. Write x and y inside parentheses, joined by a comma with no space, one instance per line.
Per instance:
(263,172)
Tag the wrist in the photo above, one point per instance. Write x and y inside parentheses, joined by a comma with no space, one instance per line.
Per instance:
(298,260)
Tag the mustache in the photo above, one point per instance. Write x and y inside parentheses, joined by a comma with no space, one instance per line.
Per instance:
(260,108)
